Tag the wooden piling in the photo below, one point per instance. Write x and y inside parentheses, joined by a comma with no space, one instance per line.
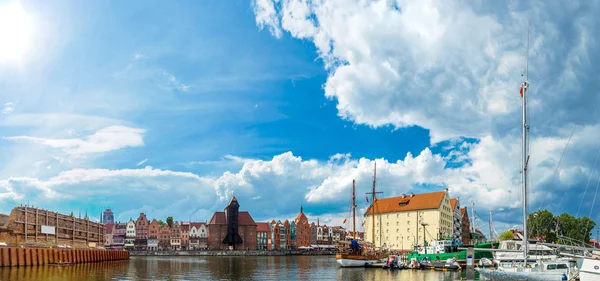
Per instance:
(33,255)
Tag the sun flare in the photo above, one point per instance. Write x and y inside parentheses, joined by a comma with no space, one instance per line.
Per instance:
(15,32)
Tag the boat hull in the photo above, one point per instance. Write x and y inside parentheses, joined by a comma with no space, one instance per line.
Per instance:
(355,262)
(520,275)
(590,270)
(461,257)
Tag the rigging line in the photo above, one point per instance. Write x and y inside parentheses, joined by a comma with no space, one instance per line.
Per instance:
(567,145)
(588,184)
(591,209)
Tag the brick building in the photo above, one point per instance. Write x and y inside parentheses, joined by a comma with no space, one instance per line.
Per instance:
(465,227)
(164,239)
(303,232)
(263,233)
(153,233)
(232,229)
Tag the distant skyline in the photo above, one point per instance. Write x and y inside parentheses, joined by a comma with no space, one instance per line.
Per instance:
(171,108)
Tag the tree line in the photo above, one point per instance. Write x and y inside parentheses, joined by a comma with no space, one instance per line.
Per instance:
(545,226)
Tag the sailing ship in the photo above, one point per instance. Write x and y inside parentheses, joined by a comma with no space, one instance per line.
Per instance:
(356,255)
(524,271)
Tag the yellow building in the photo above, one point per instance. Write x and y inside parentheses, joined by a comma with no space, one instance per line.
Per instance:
(399,221)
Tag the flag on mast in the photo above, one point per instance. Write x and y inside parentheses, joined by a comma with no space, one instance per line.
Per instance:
(521,91)
(367,199)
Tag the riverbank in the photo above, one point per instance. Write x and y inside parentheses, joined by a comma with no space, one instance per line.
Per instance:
(233,253)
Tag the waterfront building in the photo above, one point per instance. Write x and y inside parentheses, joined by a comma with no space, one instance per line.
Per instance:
(402,222)
(153,233)
(457,221)
(232,229)
(141,232)
(108,235)
(198,235)
(478,237)
(338,233)
(280,235)
(130,235)
(292,235)
(108,216)
(313,234)
(185,235)
(164,239)
(359,235)
(119,235)
(275,235)
(324,235)
(263,232)
(175,236)
(465,226)
(141,227)
(303,230)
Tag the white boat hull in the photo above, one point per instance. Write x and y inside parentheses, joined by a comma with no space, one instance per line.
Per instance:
(355,263)
(520,275)
(590,270)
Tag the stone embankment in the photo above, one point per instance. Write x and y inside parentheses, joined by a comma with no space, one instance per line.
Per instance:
(231,253)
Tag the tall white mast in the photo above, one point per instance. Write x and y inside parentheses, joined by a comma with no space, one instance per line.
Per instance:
(525,151)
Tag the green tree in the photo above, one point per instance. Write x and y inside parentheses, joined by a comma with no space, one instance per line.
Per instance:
(506,235)
(575,228)
(170,221)
(542,224)
(160,222)
(71,214)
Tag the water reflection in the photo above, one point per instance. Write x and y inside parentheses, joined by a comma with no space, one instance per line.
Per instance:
(218,268)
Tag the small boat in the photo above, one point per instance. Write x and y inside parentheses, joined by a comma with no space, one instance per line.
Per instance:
(393,262)
(440,266)
(450,264)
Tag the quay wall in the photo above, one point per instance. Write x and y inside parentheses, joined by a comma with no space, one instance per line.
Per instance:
(231,253)
(10,256)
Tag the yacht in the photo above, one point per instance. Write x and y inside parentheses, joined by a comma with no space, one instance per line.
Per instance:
(536,253)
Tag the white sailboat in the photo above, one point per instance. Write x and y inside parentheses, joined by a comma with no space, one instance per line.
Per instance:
(523,271)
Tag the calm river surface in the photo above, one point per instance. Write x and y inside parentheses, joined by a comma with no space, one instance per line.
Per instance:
(218,268)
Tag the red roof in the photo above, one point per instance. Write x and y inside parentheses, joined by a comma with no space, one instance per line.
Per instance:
(244,218)
(301,217)
(262,227)
(197,224)
(404,203)
(453,202)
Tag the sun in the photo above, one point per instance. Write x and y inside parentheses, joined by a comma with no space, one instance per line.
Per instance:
(15,32)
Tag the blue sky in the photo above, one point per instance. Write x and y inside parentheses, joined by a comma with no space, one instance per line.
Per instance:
(172,108)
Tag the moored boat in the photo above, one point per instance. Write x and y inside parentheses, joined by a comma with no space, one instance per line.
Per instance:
(356,255)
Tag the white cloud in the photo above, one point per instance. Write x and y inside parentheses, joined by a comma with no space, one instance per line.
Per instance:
(266,16)
(8,108)
(410,63)
(142,162)
(139,56)
(103,140)
(184,87)
(322,187)
(174,82)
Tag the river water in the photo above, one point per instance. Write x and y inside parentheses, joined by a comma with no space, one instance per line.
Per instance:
(218,268)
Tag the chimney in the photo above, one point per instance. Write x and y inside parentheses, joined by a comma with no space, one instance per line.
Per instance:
(411,194)
(403,195)
(446,190)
